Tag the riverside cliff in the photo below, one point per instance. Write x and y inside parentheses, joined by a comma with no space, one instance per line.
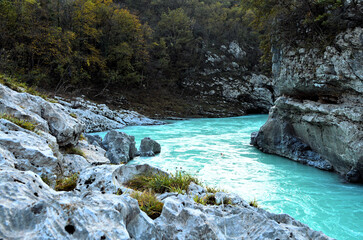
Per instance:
(35,138)
(317,120)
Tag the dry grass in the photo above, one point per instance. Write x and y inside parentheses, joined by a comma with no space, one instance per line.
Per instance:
(148,203)
(21,123)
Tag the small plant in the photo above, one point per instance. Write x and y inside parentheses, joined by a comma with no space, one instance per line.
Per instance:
(161,182)
(75,150)
(67,184)
(199,200)
(46,180)
(82,137)
(73,115)
(148,203)
(254,203)
(210,199)
(118,192)
(21,123)
(214,190)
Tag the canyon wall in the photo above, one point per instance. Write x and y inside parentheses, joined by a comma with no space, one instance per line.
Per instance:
(317,120)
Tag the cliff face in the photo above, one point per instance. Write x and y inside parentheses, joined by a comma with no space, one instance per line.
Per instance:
(318,118)
(227,85)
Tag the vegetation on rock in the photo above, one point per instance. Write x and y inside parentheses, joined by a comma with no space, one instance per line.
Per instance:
(148,203)
(31,126)
(161,182)
(74,150)
(67,183)
(254,203)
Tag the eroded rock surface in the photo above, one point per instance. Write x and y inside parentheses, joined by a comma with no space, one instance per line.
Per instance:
(149,147)
(318,119)
(99,117)
(48,116)
(120,147)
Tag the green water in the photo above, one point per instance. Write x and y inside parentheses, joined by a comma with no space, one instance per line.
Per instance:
(218,152)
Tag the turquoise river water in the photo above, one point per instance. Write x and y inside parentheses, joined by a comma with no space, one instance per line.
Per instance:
(218,152)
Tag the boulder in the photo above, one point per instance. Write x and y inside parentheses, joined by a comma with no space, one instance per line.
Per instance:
(74,163)
(49,117)
(31,151)
(126,172)
(149,147)
(94,154)
(120,147)
(32,210)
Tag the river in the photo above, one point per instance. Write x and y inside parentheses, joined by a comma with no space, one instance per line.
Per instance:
(218,152)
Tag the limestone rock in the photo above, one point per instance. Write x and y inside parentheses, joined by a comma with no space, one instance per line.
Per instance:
(318,119)
(95,154)
(74,163)
(97,179)
(126,172)
(31,151)
(149,147)
(50,117)
(31,210)
(99,117)
(120,147)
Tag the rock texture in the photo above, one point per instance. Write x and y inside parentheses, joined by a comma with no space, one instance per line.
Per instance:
(30,209)
(318,118)
(183,218)
(227,85)
(149,147)
(120,147)
(99,117)
(49,117)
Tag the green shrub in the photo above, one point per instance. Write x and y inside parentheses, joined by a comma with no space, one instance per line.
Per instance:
(21,123)
(160,183)
(148,203)
(67,184)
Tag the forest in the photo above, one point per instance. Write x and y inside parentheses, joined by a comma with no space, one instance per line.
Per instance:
(125,44)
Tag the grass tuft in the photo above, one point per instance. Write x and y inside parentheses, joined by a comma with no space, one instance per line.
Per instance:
(161,183)
(46,180)
(21,123)
(254,203)
(67,184)
(148,203)
(18,86)
(210,199)
(74,150)
(73,115)
(82,137)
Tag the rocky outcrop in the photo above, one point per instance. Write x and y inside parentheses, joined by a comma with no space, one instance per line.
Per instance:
(29,151)
(183,218)
(149,147)
(30,209)
(120,147)
(99,117)
(49,117)
(228,86)
(318,118)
